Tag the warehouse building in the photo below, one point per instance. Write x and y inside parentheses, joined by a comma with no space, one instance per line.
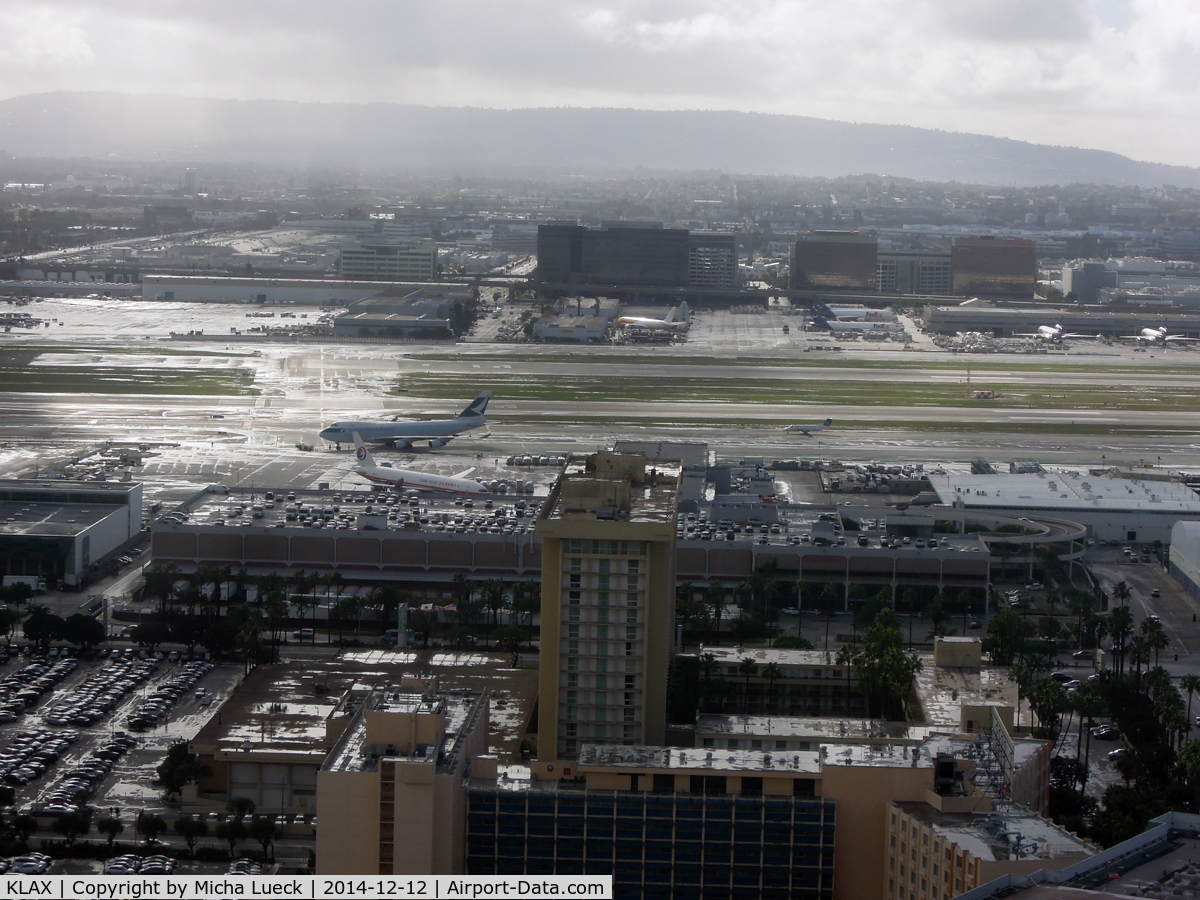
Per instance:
(1111,507)
(1004,322)
(57,530)
(1185,556)
(300,291)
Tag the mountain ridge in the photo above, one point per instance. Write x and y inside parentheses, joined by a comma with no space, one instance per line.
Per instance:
(563,140)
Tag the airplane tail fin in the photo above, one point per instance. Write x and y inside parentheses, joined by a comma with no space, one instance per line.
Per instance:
(820,322)
(828,422)
(670,319)
(477,406)
(362,453)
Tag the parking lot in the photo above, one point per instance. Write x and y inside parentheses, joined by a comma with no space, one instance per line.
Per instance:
(93,731)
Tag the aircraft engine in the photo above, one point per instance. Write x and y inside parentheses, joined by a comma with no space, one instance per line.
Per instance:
(402,445)
(436,444)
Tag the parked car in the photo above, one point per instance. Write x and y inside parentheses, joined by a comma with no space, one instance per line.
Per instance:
(1106,733)
(1083,655)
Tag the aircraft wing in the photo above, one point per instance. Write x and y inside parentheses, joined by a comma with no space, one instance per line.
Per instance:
(1179,338)
(1079,336)
(1025,334)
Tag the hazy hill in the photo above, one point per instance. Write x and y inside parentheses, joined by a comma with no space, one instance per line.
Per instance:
(462,140)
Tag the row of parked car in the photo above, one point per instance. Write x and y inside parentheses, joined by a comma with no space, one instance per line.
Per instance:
(245,866)
(151,710)
(132,864)
(29,864)
(93,699)
(32,753)
(22,689)
(78,785)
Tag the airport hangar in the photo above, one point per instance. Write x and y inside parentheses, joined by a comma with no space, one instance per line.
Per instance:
(375,551)
(1003,322)
(57,529)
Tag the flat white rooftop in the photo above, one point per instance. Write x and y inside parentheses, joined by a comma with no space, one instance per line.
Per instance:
(1064,492)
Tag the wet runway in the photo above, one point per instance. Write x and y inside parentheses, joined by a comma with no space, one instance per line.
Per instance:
(197,438)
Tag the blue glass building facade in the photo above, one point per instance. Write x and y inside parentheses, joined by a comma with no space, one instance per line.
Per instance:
(657,845)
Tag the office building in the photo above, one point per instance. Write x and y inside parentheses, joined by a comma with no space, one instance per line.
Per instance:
(391,789)
(624,255)
(515,238)
(389,262)
(914,272)
(1135,213)
(189,181)
(608,602)
(635,254)
(835,259)
(991,266)
(1085,278)
(712,260)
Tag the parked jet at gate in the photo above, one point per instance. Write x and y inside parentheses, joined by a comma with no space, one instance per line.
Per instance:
(405,479)
(808,429)
(1158,336)
(667,324)
(402,435)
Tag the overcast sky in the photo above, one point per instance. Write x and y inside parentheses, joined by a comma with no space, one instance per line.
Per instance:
(1119,75)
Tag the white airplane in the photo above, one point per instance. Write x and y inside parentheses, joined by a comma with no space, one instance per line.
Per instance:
(404,479)
(1158,336)
(667,324)
(402,435)
(822,323)
(1051,333)
(808,429)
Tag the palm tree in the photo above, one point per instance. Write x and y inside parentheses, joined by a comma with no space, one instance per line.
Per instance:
(772,673)
(1121,592)
(710,674)
(845,657)
(493,598)
(1191,684)
(160,582)
(1088,704)
(1120,627)
(747,668)
(1156,637)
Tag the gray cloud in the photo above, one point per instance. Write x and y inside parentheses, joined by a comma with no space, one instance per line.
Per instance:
(1114,74)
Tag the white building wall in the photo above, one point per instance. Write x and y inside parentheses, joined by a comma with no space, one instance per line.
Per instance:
(308,292)
(1185,556)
